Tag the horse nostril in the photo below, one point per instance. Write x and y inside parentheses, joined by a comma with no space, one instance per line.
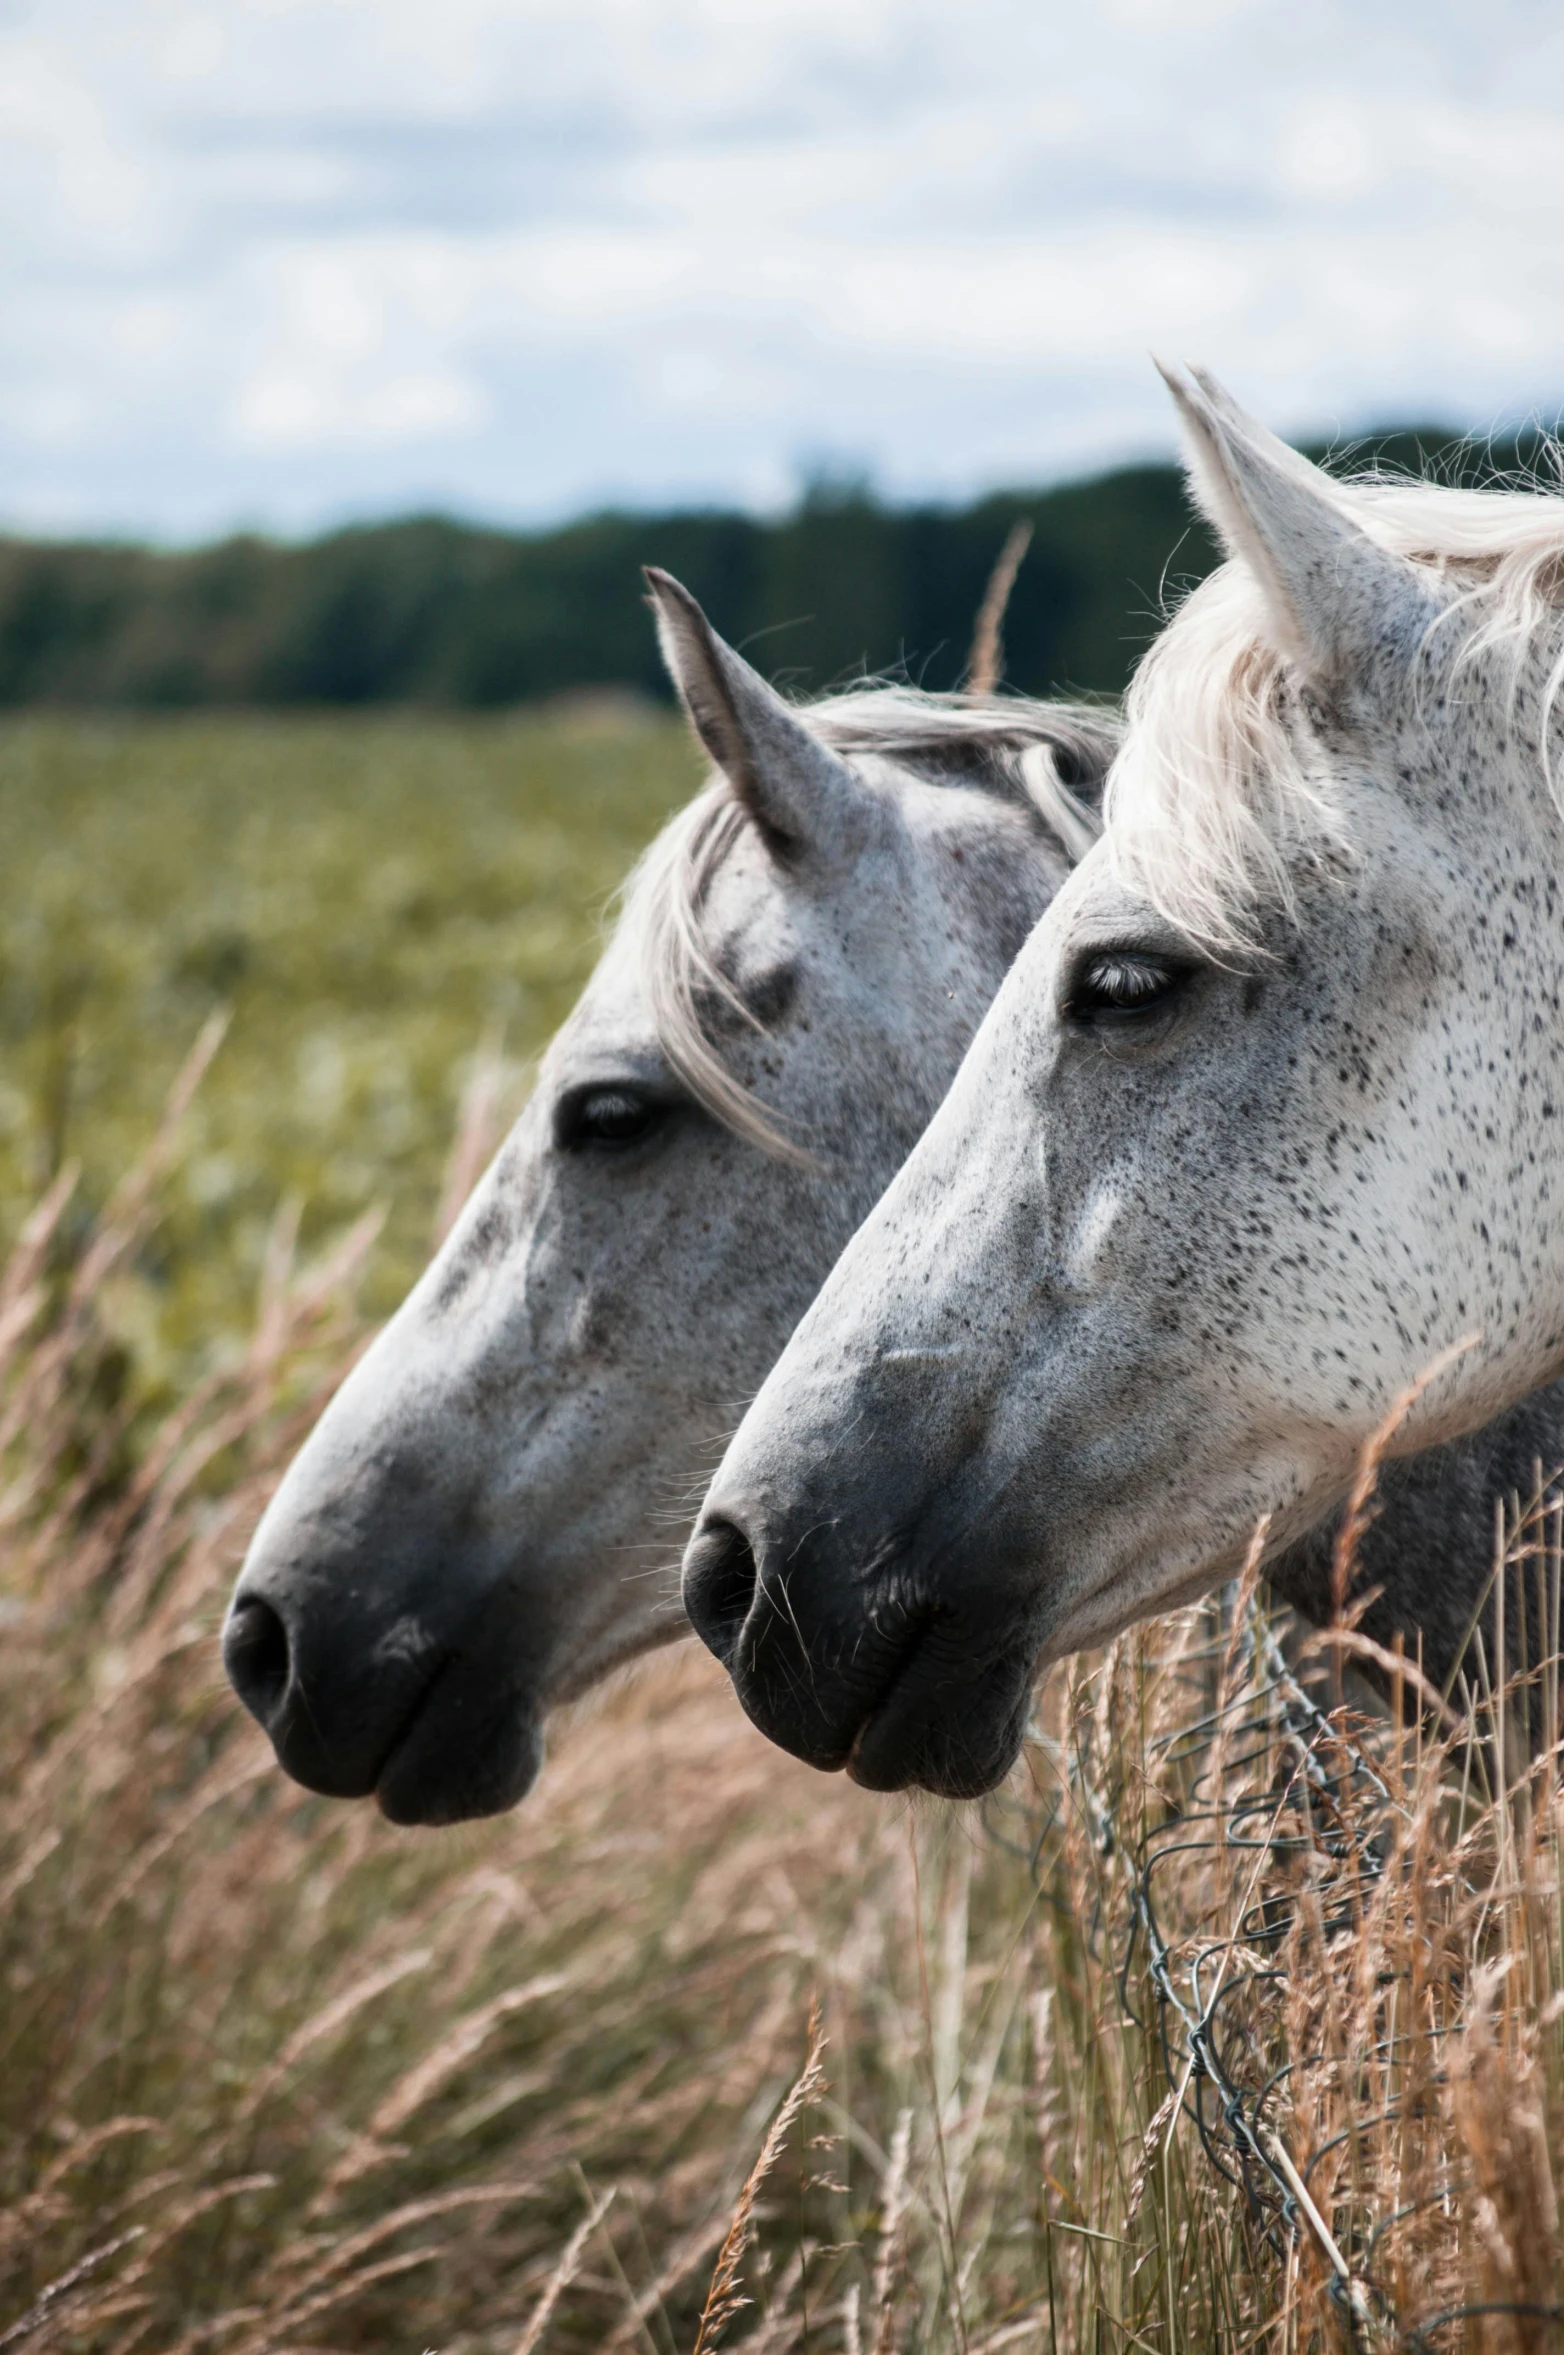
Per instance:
(720,1578)
(257,1657)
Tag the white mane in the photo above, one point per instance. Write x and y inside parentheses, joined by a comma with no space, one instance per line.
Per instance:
(1209,806)
(1007,745)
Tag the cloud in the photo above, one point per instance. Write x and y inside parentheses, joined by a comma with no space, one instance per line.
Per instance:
(286,259)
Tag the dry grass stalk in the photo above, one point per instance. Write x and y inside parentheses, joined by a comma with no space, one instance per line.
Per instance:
(888,2256)
(487,1102)
(986,665)
(724,2298)
(563,2274)
(1360,1499)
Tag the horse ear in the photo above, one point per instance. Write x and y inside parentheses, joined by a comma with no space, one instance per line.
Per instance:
(1334,594)
(800,795)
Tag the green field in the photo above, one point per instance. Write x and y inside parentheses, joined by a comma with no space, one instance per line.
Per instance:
(371,899)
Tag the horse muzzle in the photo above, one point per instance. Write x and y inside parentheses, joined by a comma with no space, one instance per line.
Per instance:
(908,1669)
(425,1711)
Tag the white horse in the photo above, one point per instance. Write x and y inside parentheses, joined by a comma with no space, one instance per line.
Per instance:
(1267,1120)
(490,1514)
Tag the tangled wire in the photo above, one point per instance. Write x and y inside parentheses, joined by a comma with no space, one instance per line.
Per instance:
(1311,1974)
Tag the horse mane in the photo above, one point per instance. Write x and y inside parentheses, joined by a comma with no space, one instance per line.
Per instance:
(1030,753)
(1209,805)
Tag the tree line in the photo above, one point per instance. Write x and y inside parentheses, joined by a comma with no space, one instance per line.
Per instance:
(449,614)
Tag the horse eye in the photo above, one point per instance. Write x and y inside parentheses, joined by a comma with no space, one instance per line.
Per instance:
(609,1116)
(1124,982)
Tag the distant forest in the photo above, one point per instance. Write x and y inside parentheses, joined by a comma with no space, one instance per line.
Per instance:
(441,613)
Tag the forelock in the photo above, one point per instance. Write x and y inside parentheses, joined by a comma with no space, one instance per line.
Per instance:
(1212,805)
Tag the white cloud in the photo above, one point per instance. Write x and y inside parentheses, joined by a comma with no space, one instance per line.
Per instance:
(299,407)
(1172,16)
(1487,161)
(71,175)
(192,49)
(289,257)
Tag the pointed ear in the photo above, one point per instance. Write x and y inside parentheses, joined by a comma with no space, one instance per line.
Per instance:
(1335,595)
(800,795)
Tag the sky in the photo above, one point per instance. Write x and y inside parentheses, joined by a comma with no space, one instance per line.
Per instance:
(279,263)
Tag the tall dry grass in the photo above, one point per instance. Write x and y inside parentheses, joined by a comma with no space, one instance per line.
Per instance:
(276,2077)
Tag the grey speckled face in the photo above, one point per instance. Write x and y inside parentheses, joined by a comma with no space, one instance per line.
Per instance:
(490,1514)
(1188,1221)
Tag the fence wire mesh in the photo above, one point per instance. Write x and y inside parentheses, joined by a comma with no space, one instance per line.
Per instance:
(1311,1899)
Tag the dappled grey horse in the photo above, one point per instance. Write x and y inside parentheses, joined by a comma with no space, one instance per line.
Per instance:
(1264,1132)
(489,1516)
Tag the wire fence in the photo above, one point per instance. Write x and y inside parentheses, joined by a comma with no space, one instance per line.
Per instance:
(1268,1844)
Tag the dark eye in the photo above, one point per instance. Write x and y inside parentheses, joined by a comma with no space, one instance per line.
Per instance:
(610,1117)
(1118,983)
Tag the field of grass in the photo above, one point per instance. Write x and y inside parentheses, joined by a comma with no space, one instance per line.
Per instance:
(275,2077)
(370,900)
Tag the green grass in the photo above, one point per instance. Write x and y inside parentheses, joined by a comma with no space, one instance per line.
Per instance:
(370,898)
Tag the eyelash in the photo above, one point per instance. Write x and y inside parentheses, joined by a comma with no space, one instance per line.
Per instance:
(640,1115)
(1093,995)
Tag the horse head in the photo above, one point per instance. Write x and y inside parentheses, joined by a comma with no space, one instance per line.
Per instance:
(489,1516)
(1256,1152)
